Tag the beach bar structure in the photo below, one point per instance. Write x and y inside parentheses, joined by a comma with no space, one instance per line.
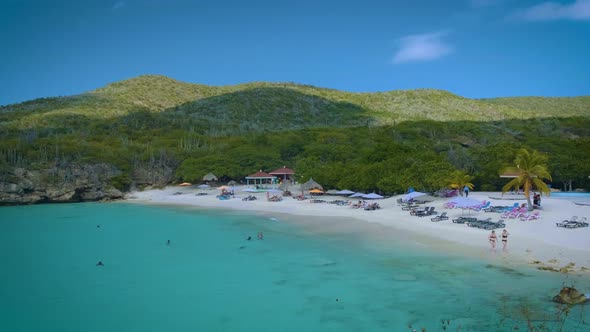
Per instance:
(260,178)
(284,172)
(510,175)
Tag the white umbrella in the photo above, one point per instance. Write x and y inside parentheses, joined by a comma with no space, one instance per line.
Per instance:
(250,190)
(345,192)
(372,196)
(465,202)
(357,195)
(275,191)
(413,194)
(204,186)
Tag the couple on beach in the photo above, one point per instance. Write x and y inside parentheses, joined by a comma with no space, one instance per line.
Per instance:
(492,238)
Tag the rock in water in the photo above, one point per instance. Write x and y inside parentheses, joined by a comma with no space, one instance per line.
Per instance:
(569,295)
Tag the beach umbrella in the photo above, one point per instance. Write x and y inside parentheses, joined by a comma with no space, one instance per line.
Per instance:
(332,192)
(185,184)
(316,191)
(275,191)
(413,195)
(357,195)
(465,202)
(311,184)
(372,196)
(250,190)
(345,192)
(204,186)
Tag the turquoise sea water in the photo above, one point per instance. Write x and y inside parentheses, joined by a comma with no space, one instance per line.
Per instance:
(332,275)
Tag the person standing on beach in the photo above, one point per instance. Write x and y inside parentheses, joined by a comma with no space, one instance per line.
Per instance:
(466,190)
(492,239)
(504,239)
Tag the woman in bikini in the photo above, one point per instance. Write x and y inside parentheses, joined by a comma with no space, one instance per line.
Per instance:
(504,239)
(492,239)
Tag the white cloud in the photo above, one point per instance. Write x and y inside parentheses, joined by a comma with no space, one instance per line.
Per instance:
(424,47)
(118,5)
(546,11)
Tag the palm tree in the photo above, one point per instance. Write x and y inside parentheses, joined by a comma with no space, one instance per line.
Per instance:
(459,180)
(530,170)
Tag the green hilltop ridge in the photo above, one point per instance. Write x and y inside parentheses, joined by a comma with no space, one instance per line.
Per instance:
(276,106)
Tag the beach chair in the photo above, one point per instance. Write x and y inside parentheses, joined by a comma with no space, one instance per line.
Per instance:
(479,223)
(463,220)
(449,205)
(443,216)
(532,216)
(417,211)
(428,211)
(482,207)
(494,225)
(574,222)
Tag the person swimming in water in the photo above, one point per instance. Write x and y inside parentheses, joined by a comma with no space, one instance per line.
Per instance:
(249,238)
(168,242)
(99,263)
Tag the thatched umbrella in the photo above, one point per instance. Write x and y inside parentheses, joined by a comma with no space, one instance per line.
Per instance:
(209,177)
(311,184)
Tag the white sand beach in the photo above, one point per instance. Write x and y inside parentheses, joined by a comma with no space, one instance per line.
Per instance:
(538,242)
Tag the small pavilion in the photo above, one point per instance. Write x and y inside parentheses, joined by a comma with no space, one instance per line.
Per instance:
(284,172)
(260,178)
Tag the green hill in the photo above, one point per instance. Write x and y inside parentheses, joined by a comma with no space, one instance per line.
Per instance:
(153,130)
(272,106)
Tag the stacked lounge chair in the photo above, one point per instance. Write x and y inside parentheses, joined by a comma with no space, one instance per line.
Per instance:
(573,222)
(487,224)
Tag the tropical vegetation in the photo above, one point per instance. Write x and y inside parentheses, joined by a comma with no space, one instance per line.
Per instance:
(530,171)
(165,131)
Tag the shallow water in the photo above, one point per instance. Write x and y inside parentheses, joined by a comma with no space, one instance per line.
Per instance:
(305,275)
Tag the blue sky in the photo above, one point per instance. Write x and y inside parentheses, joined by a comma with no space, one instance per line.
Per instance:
(474,48)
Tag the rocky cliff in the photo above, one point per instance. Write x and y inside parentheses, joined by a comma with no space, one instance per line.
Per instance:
(58,184)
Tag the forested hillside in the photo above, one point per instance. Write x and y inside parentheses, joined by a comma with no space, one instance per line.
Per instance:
(153,130)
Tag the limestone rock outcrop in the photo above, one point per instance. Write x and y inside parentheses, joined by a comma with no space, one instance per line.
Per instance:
(59,184)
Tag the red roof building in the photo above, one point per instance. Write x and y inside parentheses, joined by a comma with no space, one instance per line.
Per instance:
(260,178)
(284,171)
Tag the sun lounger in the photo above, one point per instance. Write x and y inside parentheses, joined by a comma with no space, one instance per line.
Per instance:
(479,223)
(428,211)
(532,216)
(494,225)
(463,220)
(415,211)
(574,222)
(443,216)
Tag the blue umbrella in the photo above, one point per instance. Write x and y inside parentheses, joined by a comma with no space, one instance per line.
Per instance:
(465,202)
(345,192)
(372,196)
